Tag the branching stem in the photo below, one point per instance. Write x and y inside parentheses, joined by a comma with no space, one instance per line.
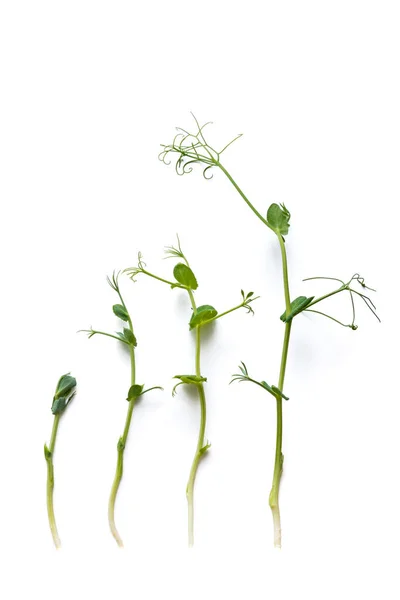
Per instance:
(278,466)
(121,446)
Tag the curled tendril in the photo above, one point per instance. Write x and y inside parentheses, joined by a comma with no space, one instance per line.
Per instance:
(205,171)
(133,271)
(193,148)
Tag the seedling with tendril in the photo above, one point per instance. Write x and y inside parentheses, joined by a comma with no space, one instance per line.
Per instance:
(201,316)
(191,148)
(136,391)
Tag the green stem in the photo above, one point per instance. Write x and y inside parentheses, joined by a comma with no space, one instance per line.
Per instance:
(274,495)
(200,449)
(50,483)
(238,189)
(171,283)
(278,466)
(120,449)
(341,289)
(227,312)
(193,303)
(95,332)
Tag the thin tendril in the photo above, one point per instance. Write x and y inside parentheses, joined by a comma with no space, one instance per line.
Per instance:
(318,312)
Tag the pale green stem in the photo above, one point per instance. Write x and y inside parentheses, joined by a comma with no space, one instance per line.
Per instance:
(94,332)
(200,442)
(227,312)
(238,189)
(278,466)
(341,289)
(274,495)
(120,449)
(171,283)
(50,483)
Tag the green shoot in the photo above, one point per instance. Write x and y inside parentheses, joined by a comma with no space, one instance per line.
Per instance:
(201,316)
(127,337)
(244,376)
(64,393)
(192,148)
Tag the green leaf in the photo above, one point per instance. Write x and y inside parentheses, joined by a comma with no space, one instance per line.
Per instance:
(120,312)
(296,307)
(65,385)
(64,393)
(59,405)
(193,379)
(184,275)
(278,217)
(134,391)
(47,453)
(127,337)
(272,389)
(277,392)
(190,379)
(203,314)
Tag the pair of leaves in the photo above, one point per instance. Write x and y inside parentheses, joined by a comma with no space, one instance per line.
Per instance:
(244,376)
(203,314)
(185,276)
(296,307)
(127,336)
(278,218)
(64,393)
(247,298)
(272,389)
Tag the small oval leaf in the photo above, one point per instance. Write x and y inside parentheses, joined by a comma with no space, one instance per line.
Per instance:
(203,314)
(129,337)
(184,275)
(278,217)
(120,312)
(59,405)
(65,385)
(134,391)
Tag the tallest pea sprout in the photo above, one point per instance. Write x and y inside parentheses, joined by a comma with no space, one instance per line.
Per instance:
(192,148)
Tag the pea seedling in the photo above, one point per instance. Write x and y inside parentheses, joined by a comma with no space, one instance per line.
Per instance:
(126,337)
(191,149)
(64,393)
(201,316)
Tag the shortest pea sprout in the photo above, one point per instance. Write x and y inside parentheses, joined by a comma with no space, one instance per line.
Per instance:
(64,393)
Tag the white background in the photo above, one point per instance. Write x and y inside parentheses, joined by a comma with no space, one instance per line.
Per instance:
(89,91)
